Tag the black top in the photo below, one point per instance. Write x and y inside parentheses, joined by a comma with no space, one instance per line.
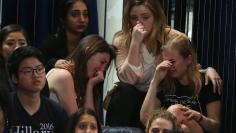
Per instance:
(55,46)
(50,117)
(184,96)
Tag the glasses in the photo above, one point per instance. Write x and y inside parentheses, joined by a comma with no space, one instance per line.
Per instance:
(29,71)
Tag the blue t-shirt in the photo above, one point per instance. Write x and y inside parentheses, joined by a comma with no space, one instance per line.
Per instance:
(50,118)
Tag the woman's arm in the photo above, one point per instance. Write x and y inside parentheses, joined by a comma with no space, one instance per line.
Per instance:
(210,73)
(89,97)
(60,81)
(211,122)
(129,60)
(151,102)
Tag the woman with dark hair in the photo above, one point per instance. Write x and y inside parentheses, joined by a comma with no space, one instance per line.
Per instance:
(84,120)
(81,86)
(74,19)
(12,37)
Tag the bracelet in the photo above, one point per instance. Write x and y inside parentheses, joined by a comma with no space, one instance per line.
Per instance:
(200,119)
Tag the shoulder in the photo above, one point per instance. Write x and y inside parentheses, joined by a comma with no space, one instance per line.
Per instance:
(171,32)
(59,73)
(57,76)
(117,39)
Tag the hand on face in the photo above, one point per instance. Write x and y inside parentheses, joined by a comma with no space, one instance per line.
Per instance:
(138,32)
(191,114)
(97,78)
(162,70)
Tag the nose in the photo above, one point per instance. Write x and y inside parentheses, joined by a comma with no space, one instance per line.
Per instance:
(139,21)
(88,130)
(82,18)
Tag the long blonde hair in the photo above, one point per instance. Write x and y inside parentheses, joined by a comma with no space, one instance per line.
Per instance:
(182,44)
(157,35)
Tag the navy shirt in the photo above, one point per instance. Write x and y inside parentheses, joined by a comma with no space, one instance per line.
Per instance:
(50,118)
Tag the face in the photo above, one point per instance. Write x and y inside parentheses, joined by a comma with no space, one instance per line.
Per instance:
(87,124)
(2,122)
(141,14)
(31,75)
(98,62)
(13,41)
(179,66)
(77,18)
(161,125)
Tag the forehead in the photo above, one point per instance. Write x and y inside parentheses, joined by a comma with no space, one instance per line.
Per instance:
(163,123)
(170,53)
(13,35)
(140,9)
(29,62)
(79,5)
(87,118)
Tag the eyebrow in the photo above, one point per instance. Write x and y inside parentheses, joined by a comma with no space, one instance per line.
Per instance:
(32,67)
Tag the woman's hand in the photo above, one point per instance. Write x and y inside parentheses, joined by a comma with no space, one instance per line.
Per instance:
(162,70)
(138,33)
(192,114)
(215,79)
(97,78)
(65,64)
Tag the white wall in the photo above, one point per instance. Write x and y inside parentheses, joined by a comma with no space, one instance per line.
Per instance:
(107,28)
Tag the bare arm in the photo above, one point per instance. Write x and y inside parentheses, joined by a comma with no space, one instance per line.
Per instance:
(151,102)
(60,82)
(211,122)
(89,97)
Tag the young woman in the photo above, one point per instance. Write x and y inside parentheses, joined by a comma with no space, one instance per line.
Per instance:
(82,86)
(177,80)
(12,37)
(138,52)
(162,121)
(84,120)
(74,19)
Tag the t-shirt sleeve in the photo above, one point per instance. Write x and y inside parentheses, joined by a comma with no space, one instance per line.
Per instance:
(207,95)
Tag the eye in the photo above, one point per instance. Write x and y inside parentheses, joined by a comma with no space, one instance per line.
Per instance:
(10,44)
(94,127)
(75,13)
(82,126)
(155,130)
(134,18)
(146,17)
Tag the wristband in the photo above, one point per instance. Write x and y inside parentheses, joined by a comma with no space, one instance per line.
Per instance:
(200,119)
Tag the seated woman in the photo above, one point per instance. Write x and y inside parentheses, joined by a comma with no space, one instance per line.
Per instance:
(178,81)
(162,121)
(84,120)
(81,86)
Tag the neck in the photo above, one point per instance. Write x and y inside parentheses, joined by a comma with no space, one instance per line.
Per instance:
(29,101)
(184,80)
(72,40)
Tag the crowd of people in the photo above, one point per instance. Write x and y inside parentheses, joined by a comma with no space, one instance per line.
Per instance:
(59,86)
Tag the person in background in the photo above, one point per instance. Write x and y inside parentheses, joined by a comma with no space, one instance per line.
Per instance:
(162,121)
(34,112)
(74,19)
(177,80)
(138,53)
(84,120)
(81,85)
(12,37)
